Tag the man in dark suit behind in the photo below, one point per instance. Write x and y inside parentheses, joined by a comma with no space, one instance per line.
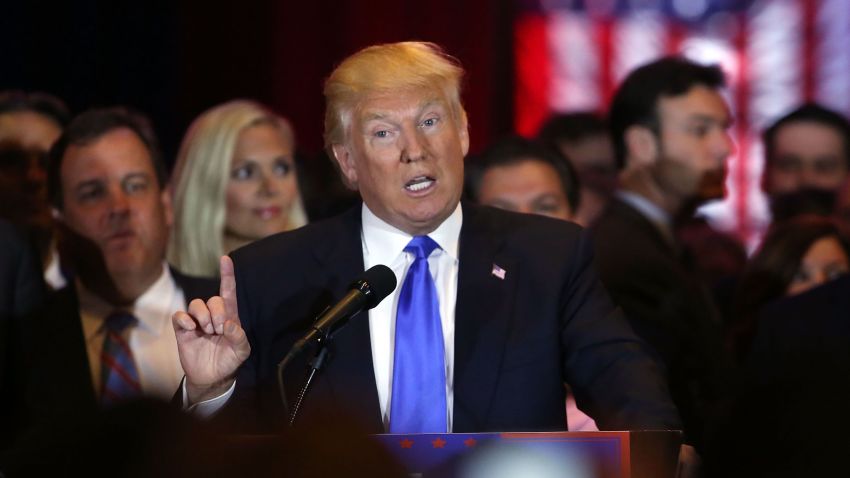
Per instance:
(790,417)
(107,186)
(520,309)
(20,283)
(669,124)
(21,291)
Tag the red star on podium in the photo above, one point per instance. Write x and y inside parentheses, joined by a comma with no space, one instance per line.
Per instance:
(469,442)
(439,443)
(406,443)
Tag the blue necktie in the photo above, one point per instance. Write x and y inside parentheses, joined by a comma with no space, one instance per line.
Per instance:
(419,368)
(120,378)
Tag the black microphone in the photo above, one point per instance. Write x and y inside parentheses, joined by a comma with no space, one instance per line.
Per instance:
(364,294)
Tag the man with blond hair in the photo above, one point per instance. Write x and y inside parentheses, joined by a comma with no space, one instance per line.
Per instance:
(494,310)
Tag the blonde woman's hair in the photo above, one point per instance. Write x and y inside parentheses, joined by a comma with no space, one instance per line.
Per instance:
(199,184)
(388,67)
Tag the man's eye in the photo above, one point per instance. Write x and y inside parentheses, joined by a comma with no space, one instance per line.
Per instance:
(786,163)
(90,194)
(429,122)
(826,166)
(382,133)
(136,186)
(801,276)
(833,274)
(699,131)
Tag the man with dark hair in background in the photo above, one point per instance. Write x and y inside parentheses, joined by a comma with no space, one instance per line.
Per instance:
(31,120)
(29,124)
(21,292)
(669,124)
(584,140)
(107,336)
(807,160)
(524,175)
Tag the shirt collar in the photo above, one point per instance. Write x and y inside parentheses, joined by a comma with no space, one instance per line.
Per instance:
(149,308)
(384,242)
(651,211)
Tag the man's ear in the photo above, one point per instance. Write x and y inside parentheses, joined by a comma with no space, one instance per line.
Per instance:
(641,145)
(463,132)
(345,160)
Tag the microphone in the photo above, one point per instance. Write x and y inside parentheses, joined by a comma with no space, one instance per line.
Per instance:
(364,294)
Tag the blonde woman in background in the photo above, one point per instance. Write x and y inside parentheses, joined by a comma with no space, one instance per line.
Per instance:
(234,182)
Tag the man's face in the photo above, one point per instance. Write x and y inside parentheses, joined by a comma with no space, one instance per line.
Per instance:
(529,186)
(404,152)
(806,155)
(693,144)
(113,204)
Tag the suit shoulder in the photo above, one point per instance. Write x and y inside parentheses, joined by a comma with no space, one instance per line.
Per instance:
(195,286)
(522,227)
(290,244)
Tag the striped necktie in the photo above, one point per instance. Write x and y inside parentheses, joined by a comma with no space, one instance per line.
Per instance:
(120,379)
(418,403)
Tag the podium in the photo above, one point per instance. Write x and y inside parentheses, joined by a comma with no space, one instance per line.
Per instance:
(625,454)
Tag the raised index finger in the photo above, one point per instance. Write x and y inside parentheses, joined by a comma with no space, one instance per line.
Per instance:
(227,289)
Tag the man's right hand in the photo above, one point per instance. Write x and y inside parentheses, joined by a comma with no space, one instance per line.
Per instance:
(210,340)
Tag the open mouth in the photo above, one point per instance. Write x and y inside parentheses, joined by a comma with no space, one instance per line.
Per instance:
(419,183)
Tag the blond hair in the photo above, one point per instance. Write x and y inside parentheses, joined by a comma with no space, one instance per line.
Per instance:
(386,68)
(199,184)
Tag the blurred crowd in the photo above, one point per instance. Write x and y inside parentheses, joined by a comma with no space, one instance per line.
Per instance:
(94,221)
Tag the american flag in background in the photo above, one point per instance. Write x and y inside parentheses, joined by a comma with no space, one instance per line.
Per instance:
(570,55)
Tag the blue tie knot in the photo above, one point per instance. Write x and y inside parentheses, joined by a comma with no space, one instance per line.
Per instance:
(119,320)
(421,246)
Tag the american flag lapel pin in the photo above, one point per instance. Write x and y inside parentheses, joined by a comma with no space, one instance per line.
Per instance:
(498,272)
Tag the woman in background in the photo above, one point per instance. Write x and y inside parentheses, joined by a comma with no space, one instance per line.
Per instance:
(234,182)
(796,255)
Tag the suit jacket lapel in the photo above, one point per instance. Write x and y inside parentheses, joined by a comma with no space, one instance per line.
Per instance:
(66,345)
(483,316)
(350,373)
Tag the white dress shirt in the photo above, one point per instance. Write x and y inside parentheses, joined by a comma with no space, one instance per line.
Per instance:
(53,276)
(384,244)
(151,339)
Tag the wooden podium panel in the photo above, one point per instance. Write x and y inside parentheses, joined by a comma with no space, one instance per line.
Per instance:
(634,454)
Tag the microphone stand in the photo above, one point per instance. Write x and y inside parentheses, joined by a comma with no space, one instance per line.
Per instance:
(315,365)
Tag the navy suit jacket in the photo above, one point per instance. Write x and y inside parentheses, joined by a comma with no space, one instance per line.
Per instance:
(517,339)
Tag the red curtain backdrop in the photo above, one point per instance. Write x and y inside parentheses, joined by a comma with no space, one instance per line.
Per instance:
(310,37)
(570,55)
